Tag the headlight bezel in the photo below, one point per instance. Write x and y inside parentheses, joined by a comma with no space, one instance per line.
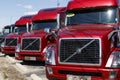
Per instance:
(50,56)
(116,60)
(2,44)
(17,48)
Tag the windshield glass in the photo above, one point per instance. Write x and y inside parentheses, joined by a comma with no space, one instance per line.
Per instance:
(20,28)
(37,25)
(6,30)
(91,16)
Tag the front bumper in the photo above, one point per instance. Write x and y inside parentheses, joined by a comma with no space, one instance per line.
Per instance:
(36,56)
(8,50)
(61,73)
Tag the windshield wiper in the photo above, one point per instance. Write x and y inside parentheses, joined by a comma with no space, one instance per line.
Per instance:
(99,23)
(72,24)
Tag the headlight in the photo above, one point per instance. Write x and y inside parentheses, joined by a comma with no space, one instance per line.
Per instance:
(116,60)
(17,48)
(112,75)
(3,44)
(50,57)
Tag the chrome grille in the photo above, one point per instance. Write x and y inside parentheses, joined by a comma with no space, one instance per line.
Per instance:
(11,42)
(31,44)
(80,51)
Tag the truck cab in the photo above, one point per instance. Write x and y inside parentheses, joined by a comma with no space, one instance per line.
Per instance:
(12,39)
(34,42)
(5,31)
(88,43)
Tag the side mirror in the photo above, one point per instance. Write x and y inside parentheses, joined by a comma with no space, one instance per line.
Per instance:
(47,30)
(61,19)
(2,30)
(11,29)
(58,20)
(31,27)
(14,29)
(27,27)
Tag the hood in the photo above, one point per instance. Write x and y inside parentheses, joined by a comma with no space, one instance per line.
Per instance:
(3,35)
(34,33)
(13,35)
(88,30)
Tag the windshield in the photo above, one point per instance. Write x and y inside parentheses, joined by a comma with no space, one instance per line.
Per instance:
(37,25)
(91,16)
(6,30)
(20,28)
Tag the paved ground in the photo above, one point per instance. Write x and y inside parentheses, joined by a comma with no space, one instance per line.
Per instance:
(11,69)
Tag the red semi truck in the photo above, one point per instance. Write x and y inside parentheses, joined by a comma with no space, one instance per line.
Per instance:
(87,45)
(34,42)
(12,39)
(5,31)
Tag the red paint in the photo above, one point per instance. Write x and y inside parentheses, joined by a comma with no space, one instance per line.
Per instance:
(21,22)
(100,72)
(43,15)
(74,4)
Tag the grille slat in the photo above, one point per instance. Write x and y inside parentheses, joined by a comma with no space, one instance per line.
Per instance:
(11,42)
(31,44)
(82,51)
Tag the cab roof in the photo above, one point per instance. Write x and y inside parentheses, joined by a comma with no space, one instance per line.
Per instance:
(48,14)
(24,19)
(9,26)
(75,4)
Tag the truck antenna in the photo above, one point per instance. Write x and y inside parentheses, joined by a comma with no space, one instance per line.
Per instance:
(58,3)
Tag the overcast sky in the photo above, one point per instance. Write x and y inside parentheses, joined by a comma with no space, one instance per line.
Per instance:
(12,10)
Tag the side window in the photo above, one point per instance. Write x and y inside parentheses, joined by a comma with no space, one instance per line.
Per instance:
(15,29)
